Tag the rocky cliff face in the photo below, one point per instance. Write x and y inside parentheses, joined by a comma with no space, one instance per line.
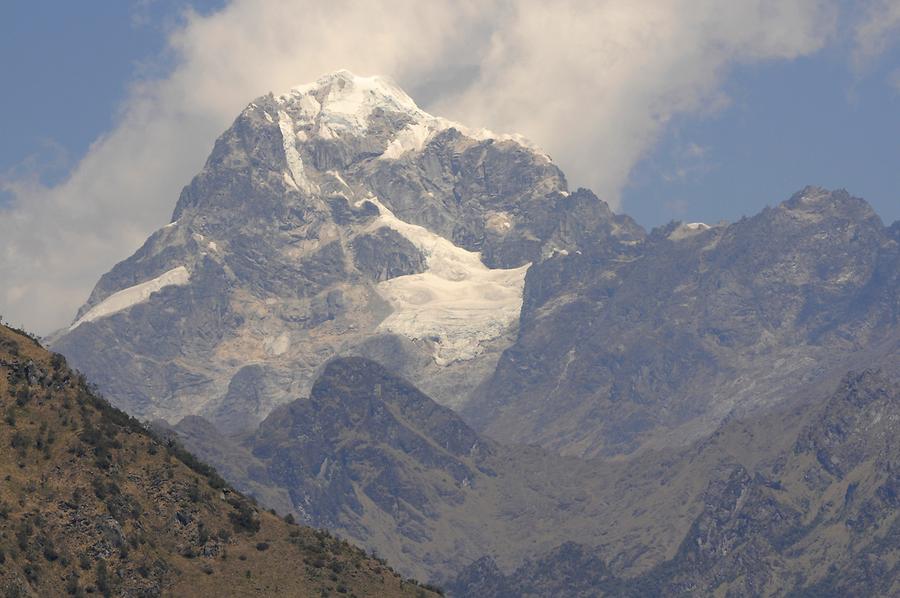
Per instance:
(337,218)
(655,343)
(820,520)
(359,438)
(371,456)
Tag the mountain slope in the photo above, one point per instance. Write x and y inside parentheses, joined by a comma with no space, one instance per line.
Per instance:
(780,500)
(337,218)
(371,456)
(92,503)
(618,352)
(821,520)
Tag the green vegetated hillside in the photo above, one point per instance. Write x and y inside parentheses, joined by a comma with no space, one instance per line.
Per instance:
(92,503)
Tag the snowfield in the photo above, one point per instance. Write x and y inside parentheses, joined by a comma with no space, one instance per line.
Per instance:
(458,303)
(131,296)
(690,229)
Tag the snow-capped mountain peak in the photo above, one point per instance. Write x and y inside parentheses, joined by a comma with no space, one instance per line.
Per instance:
(337,218)
(342,104)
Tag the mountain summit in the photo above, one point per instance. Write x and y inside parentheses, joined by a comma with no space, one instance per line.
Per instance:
(337,218)
(342,104)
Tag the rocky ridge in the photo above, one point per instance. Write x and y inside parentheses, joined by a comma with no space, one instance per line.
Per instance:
(374,458)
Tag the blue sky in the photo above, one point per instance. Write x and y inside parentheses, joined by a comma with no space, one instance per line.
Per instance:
(67,67)
(808,121)
(812,120)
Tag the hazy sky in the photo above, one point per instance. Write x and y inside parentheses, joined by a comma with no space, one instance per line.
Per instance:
(668,109)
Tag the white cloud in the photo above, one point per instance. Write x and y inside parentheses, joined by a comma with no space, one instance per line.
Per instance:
(593,82)
(875,32)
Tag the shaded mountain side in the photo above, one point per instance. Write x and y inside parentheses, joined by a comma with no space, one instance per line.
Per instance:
(821,520)
(374,458)
(92,503)
(654,345)
(232,460)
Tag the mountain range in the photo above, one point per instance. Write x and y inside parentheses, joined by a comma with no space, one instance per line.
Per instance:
(415,334)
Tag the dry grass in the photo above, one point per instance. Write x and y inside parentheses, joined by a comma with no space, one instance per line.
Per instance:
(90,502)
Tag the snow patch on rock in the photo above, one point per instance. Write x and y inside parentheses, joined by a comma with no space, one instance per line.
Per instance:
(294,161)
(411,138)
(337,176)
(131,296)
(498,222)
(289,181)
(414,137)
(458,303)
(688,230)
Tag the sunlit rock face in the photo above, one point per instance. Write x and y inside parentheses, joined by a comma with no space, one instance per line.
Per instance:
(337,218)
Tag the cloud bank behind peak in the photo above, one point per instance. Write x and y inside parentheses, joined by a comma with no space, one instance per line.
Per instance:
(592,82)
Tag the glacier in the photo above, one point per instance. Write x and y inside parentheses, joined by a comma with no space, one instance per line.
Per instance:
(458,303)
